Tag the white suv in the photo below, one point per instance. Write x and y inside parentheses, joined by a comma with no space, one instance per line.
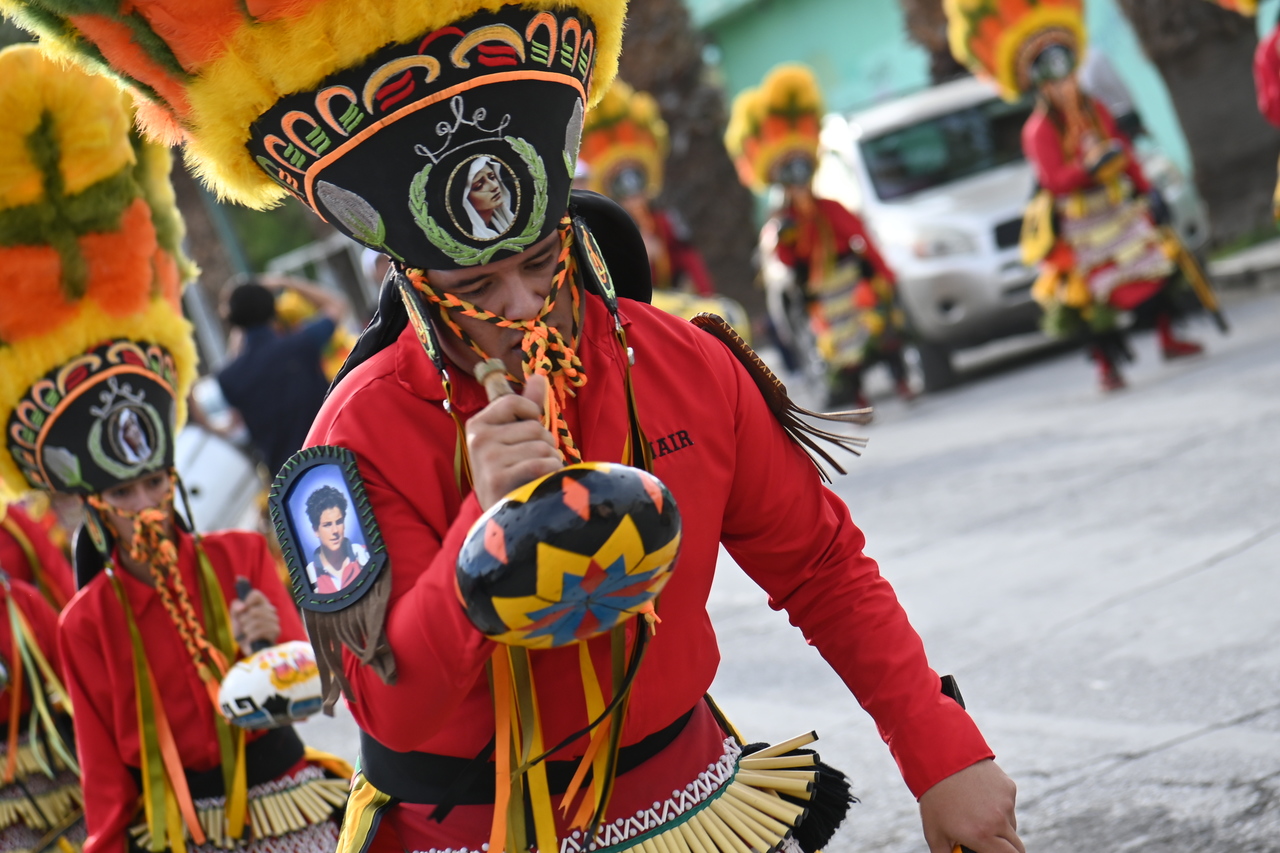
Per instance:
(940,179)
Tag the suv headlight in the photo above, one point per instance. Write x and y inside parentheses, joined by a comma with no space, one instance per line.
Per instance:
(941,242)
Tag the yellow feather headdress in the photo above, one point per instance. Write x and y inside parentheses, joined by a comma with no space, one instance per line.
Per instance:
(206,70)
(999,39)
(779,120)
(90,275)
(625,131)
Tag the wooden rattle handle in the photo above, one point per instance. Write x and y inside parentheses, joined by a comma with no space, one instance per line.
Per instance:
(492,374)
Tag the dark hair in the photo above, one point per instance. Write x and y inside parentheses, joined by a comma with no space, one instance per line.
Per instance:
(325,497)
(250,305)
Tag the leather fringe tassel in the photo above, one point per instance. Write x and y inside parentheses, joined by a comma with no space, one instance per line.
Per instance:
(791,416)
(271,815)
(362,629)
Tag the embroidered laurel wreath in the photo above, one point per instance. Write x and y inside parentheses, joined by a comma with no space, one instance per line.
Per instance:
(468,255)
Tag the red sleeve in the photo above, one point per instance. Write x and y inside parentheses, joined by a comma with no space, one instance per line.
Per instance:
(1266,76)
(847,226)
(835,594)
(13,559)
(1134,166)
(42,618)
(438,652)
(1042,144)
(110,795)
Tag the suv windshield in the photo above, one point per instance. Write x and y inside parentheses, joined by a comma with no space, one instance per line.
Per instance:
(945,148)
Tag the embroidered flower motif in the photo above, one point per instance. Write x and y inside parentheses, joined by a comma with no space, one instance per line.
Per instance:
(64,465)
(573,137)
(356,215)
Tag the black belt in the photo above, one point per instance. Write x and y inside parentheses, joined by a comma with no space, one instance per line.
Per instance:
(429,779)
(267,758)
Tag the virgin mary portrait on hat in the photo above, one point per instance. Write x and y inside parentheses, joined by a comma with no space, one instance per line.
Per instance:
(486,198)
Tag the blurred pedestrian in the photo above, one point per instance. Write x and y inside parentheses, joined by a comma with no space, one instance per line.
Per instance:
(1097,226)
(277,380)
(850,290)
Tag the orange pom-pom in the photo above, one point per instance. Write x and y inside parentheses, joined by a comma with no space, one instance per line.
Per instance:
(120,273)
(157,123)
(31,298)
(115,40)
(193,47)
(271,10)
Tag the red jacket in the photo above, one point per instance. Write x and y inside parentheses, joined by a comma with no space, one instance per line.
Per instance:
(738,479)
(797,242)
(53,567)
(44,624)
(98,658)
(1042,143)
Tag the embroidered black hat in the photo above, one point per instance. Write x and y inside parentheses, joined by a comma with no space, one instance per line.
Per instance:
(442,133)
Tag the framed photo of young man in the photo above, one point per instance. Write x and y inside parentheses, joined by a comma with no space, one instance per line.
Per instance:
(326,529)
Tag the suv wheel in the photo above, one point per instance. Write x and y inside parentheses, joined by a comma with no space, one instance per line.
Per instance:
(935,365)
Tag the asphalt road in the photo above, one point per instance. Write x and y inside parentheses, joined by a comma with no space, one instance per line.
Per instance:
(1101,573)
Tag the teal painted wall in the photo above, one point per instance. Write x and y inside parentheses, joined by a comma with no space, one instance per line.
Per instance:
(860,51)
(857,47)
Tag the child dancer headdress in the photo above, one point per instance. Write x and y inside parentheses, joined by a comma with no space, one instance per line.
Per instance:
(95,357)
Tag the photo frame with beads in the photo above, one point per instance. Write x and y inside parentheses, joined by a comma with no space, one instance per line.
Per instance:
(327,532)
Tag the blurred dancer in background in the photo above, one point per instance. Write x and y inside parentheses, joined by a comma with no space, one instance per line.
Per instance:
(624,146)
(1096,227)
(848,287)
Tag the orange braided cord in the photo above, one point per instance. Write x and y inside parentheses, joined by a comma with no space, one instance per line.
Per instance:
(152,548)
(546,350)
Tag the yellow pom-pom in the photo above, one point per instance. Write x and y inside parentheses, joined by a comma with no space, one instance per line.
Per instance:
(54,110)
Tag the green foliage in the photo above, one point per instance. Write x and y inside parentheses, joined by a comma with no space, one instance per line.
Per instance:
(1248,240)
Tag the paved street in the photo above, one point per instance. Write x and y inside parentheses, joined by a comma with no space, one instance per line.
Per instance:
(1101,574)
